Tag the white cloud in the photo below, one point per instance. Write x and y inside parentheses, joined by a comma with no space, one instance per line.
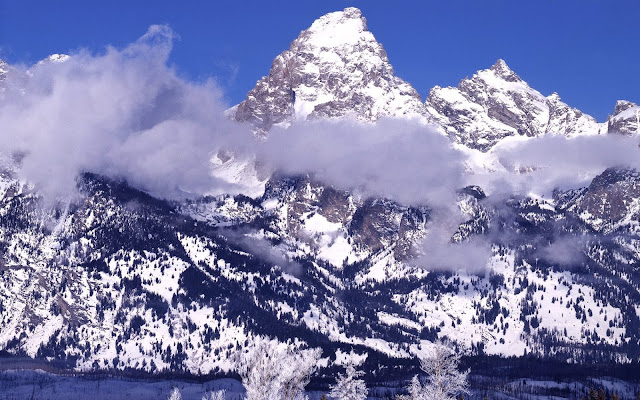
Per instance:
(123,113)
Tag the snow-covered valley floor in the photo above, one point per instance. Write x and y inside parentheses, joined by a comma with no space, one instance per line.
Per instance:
(40,385)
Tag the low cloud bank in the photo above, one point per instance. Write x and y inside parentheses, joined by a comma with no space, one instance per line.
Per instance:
(540,165)
(393,158)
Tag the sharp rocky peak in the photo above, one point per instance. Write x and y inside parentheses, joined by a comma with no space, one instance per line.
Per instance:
(625,118)
(335,68)
(502,70)
(623,105)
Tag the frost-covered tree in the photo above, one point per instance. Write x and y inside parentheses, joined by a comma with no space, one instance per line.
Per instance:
(348,387)
(215,395)
(175,394)
(276,371)
(444,381)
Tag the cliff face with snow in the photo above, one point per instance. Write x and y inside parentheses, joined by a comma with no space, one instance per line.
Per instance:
(119,279)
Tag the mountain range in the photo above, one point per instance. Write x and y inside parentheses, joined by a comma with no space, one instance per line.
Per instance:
(117,279)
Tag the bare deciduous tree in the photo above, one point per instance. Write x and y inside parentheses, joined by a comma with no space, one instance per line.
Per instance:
(215,395)
(348,387)
(444,380)
(276,371)
(175,394)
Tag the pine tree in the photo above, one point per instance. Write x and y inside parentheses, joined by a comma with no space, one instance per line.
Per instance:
(348,387)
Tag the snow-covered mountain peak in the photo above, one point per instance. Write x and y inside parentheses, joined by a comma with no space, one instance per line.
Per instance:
(335,68)
(625,118)
(502,70)
(554,98)
(53,59)
(57,58)
(623,105)
(495,103)
(339,28)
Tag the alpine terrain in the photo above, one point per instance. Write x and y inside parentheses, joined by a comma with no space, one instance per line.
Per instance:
(115,279)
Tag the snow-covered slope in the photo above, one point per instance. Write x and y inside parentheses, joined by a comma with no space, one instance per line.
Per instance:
(496,103)
(121,280)
(335,68)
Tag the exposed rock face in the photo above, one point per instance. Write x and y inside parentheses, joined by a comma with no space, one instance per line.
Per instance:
(625,118)
(613,194)
(496,103)
(611,200)
(4,68)
(305,209)
(335,68)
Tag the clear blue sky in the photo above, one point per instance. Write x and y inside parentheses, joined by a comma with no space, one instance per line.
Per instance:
(588,51)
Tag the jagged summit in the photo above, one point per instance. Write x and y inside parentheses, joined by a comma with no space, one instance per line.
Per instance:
(625,118)
(339,28)
(58,57)
(502,70)
(622,105)
(335,68)
(495,103)
(554,97)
